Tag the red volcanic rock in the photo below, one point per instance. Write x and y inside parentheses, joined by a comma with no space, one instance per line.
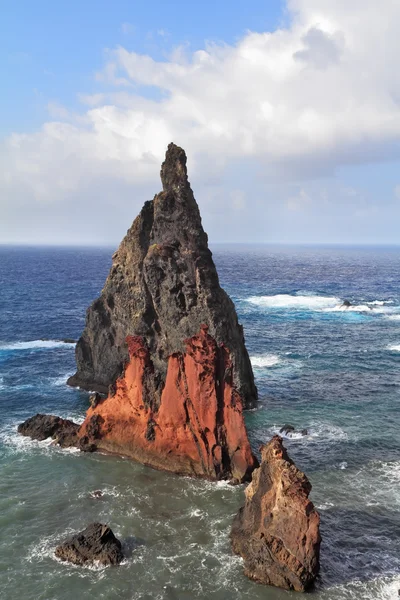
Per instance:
(277,530)
(196,428)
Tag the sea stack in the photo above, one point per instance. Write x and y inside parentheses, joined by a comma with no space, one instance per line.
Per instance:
(164,343)
(277,530)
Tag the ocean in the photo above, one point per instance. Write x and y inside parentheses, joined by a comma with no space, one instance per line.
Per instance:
(333,371)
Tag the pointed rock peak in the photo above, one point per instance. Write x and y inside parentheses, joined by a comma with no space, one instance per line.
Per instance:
(173,170)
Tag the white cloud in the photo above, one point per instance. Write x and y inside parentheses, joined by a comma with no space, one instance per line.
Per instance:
(300,102)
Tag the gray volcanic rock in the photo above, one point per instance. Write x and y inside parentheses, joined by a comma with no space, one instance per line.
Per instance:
(96,543)
(277,530)
(162,286)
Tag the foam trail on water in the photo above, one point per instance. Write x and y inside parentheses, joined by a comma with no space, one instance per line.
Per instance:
(265,360)
(394,348)
(311,302)
(36,344)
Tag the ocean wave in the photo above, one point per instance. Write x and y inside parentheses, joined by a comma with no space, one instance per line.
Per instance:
(319,303)
(316,432)
(35,345)
(61,380)
(265,360)
(311,302)
(368,307)
(393,347)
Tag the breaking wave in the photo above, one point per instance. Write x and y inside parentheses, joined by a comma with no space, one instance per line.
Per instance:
(394,347)
(315,302)
(36,345)
(265,360)
(296,301)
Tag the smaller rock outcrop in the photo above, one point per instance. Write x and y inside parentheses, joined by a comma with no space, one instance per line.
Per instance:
(95,544)
(277,531)
(291,431)
(287,429)
(41,427)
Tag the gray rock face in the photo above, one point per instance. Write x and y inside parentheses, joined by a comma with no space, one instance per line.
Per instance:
(96,543)
(163,285)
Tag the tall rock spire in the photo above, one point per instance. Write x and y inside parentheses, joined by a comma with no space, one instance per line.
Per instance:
(163,333)
(163,285)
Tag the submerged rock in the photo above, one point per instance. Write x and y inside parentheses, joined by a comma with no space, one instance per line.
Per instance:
(163,285)
(287,429)
(41,427)
(290,429)
(95,544)
(277,530)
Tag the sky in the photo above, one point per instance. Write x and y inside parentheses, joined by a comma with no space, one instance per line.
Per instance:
(289,112)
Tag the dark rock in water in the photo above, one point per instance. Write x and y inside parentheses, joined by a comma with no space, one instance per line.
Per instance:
(95,544)
(163,285)
(346,304)
(40,427)
(96,494)
(65,433)
(69,341)
(287,429)
(277,530)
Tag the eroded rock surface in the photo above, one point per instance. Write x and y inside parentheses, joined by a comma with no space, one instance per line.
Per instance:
(95,544)
(162,286)
(277,530)
(195,428)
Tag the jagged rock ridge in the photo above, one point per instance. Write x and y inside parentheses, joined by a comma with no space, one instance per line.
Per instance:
(277,530)
(162,286)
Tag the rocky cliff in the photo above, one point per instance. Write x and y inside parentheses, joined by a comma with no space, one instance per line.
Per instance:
(277,530)
(163,285)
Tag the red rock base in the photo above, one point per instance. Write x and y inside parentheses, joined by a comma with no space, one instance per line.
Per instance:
(197,427)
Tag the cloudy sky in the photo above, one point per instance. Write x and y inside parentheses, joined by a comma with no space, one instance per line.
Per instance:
(289,112)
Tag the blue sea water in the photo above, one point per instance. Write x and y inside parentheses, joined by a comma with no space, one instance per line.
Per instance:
(318,366)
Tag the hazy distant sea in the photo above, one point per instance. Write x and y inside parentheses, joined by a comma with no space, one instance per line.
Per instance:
(335,372)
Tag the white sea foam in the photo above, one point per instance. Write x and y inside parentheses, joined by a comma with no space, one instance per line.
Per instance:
(316,302)
(61,380)
(265,360)
(316,432)
(36,344)
(394,317)
(311,302)
(369,307)
(394,347)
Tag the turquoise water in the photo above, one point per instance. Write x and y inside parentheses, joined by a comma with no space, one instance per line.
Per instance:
(333,371)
